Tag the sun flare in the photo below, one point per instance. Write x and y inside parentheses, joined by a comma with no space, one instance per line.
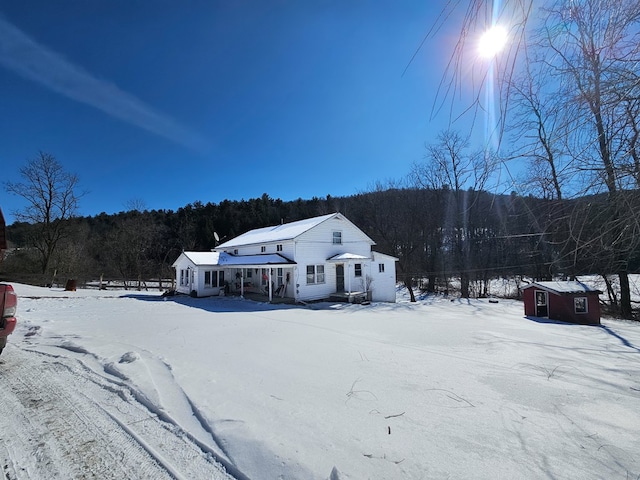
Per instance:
(492,41)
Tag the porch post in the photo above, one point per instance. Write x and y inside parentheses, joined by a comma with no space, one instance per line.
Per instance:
(269,287)
(242,283)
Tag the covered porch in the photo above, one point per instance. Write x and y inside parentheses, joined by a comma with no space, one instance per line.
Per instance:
(264,277)
(351,286)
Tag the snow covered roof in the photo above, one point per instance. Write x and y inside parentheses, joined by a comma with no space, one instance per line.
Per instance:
(347,256)
(277,233)
(202,258)
(563,287)
(223,259)
(251,260)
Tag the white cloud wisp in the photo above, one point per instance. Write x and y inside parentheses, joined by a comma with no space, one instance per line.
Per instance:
(27,58)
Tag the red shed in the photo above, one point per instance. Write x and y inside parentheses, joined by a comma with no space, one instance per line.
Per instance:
(572,302)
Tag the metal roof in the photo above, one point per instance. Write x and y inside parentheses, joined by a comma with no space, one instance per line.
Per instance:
(564,287)
(280,233)
(223,259)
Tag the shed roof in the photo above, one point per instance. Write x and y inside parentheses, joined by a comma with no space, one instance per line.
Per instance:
(564,287)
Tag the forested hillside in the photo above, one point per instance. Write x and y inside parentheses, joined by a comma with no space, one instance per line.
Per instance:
(443,238)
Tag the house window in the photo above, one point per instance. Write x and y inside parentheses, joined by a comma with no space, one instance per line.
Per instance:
(580,304)
(184,276)
(320,273)
(358,269)
(235,252)
(213,278)
(263,249)
(381,268)
(337,238)
(279,247)
(315,274)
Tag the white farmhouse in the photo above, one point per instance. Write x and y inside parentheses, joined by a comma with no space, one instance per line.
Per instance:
(313,259)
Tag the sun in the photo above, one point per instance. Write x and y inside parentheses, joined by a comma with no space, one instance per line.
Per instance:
(492,41)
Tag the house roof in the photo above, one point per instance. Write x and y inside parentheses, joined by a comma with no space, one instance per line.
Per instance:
(278,233)
(223,259)
(563,287)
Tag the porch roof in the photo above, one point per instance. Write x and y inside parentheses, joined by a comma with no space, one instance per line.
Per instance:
(223,259)
(343,257)
(254,261)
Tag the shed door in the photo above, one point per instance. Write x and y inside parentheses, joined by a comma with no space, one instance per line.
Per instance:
(340,277)
(542,303)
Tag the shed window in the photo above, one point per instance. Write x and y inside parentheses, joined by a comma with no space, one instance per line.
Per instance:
(337,238)
(580,304)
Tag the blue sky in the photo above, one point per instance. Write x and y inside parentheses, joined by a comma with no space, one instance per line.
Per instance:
(174,102)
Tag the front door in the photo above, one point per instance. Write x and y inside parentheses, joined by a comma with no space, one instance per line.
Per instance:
(340,277)
(542,304)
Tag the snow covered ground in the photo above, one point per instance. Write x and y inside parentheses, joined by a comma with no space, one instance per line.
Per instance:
(438,389)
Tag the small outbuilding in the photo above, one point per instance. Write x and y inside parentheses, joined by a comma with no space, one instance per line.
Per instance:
(570,301)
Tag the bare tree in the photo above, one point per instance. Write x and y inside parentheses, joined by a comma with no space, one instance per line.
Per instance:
(591,51)
(52,199)
(595,51)
(395,217)
(536,129)
(461,176)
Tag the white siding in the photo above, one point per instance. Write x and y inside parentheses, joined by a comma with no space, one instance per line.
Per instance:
(313,247)
(316,246)
(182,263)
(287,249)
(383,286)
(197,274)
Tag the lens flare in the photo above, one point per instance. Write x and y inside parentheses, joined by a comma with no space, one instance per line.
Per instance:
(492,41)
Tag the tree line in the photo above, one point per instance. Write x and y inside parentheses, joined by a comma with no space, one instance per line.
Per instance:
(569,110)
(446,237)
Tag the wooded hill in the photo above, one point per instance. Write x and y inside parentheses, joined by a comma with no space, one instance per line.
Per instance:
(444,239)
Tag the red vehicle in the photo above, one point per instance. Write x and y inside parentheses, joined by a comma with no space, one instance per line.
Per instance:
(8,306)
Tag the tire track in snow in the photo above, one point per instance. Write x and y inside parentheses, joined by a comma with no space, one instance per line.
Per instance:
(58,420)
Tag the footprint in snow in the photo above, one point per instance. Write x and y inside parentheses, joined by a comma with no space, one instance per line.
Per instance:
(129,357)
